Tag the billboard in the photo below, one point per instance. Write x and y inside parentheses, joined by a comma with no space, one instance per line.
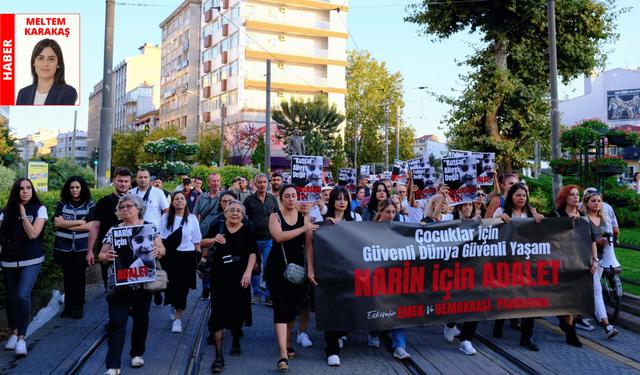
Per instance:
(623,104)
(38,173)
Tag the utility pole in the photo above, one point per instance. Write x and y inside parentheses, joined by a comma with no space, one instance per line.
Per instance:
(223,113)
(385,107)
(73,140)
(555,112)
(267,141)
(106,113)
(398,132)
(355,143)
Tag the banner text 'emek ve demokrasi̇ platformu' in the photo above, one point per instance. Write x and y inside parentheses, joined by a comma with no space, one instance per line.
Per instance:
(381,275)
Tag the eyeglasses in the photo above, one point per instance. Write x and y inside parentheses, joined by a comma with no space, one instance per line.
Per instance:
(226,201)
(481,194)
(234,211)
(127,206)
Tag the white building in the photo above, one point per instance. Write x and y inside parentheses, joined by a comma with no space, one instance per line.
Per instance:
(65,143)
(305,40)
(38,144)
(612,95)
(431,145)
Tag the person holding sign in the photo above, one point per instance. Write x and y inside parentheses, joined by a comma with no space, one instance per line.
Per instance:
(293,232)
(131,298)
(47,70)
(387,212)
(592,206)
(506,182)
(379,193)
(517,205)
(233,255)
(21,223)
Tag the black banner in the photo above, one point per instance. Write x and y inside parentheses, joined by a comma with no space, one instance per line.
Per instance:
(382,275)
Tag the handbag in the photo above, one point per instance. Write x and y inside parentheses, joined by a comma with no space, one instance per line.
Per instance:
(160,283)
(293,272)
(205,262)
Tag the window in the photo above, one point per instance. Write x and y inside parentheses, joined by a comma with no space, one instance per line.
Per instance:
(206,56)
(206,31)
(214,77)
(223,100)
(214,52)
(225,18)
(224,45)
(234,40)
(233,69)
(224,74)
(233,97)
(215,26)
(205,81)
(235,12)
(214,103)
(206,5)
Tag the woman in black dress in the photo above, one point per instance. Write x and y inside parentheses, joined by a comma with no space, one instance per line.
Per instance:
(291,232)
(234,255)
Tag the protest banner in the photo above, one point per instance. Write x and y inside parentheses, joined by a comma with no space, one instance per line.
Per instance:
(460,174)
(328,177)
(387,175)
(365,170)
(424,177)
(399,171)
(135,262)
(306,174)
(486,162)
(347,178)
(383,275)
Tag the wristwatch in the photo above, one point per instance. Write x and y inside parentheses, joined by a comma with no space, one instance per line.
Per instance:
(596,259)
(22,218)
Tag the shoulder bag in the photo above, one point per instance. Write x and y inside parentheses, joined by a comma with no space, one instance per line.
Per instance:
(160,283)
(293,272)
(205,263)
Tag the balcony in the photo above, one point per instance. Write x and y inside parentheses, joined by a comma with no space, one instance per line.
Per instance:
(184,88)
(217,62)
(169,93)
(232,83)
(283,19)
(207,66)
(216,88)
(206,116)
(223,85)
(208,41)
(225,30)
(224,4)
(206,92)
(307,52)
(234,53)
(286,78)
(225,57)
(208,15)
(185,45)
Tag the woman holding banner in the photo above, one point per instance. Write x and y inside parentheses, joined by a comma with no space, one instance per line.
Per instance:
(130,299)
(293,232)
(21,223)
(603,232)
(387,212)
(516,205)
(506,182)
(181,237)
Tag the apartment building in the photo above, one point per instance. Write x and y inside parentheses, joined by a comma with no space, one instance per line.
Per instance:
(38,144)
(131,73)
(179,69)
(93,125)
(305,40)
(65,143)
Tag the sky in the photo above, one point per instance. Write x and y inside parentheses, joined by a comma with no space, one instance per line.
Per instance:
(375,25)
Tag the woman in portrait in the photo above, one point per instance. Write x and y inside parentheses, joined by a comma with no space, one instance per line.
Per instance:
(49,86)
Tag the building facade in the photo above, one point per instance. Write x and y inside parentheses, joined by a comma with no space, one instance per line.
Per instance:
(305,41)
(38,144)
(133,72)
(179,69)
(93,125)
(65,143)
(429,144)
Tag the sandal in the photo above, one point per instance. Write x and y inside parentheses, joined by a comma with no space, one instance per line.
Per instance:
(291,353)
(217,366)
(112,371)
(283,365)
(515,324)
(137,362)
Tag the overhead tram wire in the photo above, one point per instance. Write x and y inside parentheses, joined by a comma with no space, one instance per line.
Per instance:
(267,51)
(434,3)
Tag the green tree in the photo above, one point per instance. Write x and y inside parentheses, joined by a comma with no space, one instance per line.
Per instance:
(369,84)
(259,154)
(338,160)
(505,103)
(125,148)
(407,137)
(209,141)
(170,132)
(316,119)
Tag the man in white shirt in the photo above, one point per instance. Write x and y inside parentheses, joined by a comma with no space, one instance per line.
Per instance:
(153,197)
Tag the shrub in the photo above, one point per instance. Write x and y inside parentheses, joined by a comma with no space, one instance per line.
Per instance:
(227,173)
(7,177)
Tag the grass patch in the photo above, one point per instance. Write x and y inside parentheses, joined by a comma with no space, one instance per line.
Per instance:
(629,260)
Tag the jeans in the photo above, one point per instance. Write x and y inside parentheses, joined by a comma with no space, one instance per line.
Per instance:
(73,264)
(601,310)
(121,304)
(397,337)
(264,248)
(18,284)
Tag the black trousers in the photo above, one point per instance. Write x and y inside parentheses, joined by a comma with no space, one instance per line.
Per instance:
(73,264)
(331,338)
(467,331)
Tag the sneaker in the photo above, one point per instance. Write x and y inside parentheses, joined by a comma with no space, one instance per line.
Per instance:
(374,341)
(333,360)
(449,332)
(177,326)
(21,348)
(205,295)
(217,366)
(11,344)
(255,299)
(400,353)
(172,313)
(456,331)
(467,348)
(584,324)
(304,340)
(341,341)
(610,332)
(268,301)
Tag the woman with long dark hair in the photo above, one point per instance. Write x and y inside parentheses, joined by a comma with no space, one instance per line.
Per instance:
(73,219)
(180,233)
(293,232)
(635,182)
(21,223)
(516,205)
(506,181)
(603,234)
(47,69)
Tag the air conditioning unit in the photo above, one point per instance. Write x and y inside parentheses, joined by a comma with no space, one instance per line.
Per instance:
(283,9)
(281,65)
(281,94)
(283,38)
